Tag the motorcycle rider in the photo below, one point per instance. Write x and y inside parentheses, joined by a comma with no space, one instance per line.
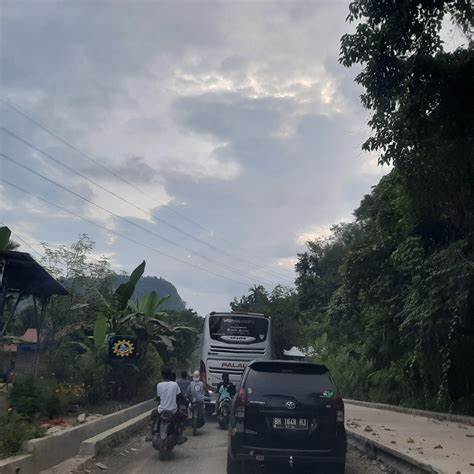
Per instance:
(226,390)
(196,392)
(168,395)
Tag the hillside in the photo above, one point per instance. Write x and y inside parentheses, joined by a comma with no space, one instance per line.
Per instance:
(160,285)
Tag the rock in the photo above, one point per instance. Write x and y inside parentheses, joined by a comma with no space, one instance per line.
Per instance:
(101,466)
(393,442)
(134,449)
(438,446)
(53,430)
(368,429)
(81,418)
(410,440)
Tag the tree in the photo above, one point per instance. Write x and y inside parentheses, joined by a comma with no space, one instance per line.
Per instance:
(422,118)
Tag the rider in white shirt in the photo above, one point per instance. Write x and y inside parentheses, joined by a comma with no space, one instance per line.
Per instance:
(167,393)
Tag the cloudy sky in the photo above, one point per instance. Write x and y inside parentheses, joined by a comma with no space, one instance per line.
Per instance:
(217,137)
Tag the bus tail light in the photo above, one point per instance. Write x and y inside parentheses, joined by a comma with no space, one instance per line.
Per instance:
(339,409)
(240,403)
(202,372)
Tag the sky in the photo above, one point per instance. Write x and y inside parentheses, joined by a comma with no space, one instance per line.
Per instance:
(212,139)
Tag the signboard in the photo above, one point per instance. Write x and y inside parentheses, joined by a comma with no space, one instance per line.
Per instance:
(122,348)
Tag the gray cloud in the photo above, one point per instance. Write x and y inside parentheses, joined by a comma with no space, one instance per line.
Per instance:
(237,115)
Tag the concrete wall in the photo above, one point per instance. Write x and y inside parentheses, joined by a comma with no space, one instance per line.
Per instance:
(51,450)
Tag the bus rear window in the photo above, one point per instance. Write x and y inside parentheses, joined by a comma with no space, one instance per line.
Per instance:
(238,329)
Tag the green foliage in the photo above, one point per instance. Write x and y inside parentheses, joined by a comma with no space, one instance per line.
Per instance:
(100,331)
(421,122)
(125,291)
(187,326)
(37,397)
(388,300)
(26,397)
(14,431)
(398,324)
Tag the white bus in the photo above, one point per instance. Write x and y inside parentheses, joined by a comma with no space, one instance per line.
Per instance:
(230,341)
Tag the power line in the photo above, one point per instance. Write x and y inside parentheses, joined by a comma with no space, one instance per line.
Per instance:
(211,260)
(111,231)
(266,268)
(153,216)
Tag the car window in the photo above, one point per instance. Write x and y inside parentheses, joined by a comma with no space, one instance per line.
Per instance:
(290,382)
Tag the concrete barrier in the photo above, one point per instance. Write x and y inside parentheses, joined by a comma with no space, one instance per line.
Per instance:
(398,461)
(93,446)
(52,450)
(114,436)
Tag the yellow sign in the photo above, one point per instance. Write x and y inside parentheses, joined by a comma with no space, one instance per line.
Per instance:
(123,348)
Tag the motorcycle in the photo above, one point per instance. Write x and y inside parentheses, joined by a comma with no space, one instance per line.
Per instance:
(197,418)
(164,435)
(223,413)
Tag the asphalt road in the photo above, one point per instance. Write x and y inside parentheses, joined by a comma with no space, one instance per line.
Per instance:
(203,454)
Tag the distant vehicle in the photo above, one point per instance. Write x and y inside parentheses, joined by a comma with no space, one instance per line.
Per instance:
(287,412)
(230,342)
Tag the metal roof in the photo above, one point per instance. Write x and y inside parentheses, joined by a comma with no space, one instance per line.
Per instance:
(23,274)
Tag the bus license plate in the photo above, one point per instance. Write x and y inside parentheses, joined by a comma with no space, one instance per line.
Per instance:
(290,423)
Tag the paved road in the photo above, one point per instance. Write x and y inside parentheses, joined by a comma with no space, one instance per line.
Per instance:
(204,454)
(447,446)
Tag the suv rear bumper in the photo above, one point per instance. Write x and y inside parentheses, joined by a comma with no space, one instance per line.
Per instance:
(239,450)
(260,455)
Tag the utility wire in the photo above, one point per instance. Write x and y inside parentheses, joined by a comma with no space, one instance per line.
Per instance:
(17,109)
(211,260)
(153,216)
(111,231)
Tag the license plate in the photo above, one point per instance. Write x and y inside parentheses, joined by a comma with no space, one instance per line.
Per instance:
(290,423)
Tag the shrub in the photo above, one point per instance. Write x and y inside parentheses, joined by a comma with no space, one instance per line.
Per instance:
(150,368)
(14,431)
(92,372)
(34,398)
(26,397)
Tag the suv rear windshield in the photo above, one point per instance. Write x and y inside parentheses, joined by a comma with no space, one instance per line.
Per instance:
(238,329)
(298,380)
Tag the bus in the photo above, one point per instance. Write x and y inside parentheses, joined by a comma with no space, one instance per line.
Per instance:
(229,342)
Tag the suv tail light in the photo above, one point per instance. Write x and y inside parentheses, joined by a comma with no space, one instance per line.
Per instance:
(202,372)
(240,403)
(339,409)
